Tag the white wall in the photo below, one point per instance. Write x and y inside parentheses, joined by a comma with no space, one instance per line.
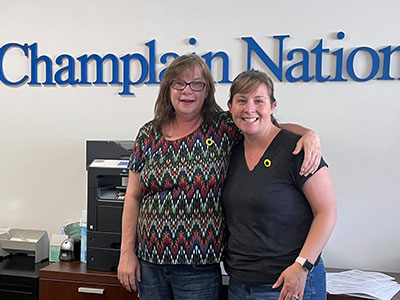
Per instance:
(43,129)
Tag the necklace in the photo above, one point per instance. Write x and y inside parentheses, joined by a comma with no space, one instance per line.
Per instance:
(256,155)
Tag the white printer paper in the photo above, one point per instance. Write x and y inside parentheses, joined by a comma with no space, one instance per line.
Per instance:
(369,285)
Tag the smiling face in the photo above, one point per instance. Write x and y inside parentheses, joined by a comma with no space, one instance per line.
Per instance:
(188,103)
(252,111)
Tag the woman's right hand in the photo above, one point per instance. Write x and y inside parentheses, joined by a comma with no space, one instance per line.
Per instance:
(293,279)
(129,271)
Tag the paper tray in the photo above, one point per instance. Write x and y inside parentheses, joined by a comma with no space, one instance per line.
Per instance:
(33,242)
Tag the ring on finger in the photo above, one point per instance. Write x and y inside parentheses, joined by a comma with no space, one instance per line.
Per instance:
(295,297)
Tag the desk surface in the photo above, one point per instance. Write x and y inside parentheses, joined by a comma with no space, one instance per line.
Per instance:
(72,270)
(77,271)
(344,297)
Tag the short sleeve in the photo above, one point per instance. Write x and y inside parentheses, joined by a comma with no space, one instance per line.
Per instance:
(141,144)
(234,132)
(298,179)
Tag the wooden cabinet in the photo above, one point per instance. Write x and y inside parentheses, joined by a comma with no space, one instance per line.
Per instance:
(72,280)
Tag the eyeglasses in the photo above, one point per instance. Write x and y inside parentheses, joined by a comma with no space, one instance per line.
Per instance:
(196,86)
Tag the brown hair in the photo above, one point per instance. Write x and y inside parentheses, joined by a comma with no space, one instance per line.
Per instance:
(164,112)
(248,81)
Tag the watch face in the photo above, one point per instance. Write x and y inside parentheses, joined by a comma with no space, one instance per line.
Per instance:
(308,265)
(305,263)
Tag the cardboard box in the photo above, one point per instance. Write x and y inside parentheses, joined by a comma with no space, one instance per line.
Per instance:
(55,245)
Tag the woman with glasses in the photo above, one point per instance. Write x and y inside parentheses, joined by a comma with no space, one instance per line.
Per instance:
(172,225)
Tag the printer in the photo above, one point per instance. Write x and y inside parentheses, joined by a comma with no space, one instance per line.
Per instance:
(31,242)
(107,178)
(4,235)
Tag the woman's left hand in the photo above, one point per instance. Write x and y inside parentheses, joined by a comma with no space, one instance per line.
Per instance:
(293,280)
(311,145)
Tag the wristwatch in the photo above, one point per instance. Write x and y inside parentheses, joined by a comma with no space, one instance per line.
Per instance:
(305,263)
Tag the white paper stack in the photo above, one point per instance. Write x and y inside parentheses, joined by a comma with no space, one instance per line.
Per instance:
(369,285)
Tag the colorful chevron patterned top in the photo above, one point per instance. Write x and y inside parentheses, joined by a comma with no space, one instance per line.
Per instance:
(180,219)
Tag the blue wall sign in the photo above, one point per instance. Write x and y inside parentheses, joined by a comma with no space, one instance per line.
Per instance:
(291,65)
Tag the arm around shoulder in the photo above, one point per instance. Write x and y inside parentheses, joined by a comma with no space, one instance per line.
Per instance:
(311,145)
(294,128)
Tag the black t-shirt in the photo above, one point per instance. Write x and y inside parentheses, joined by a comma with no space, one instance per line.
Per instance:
(268,216)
